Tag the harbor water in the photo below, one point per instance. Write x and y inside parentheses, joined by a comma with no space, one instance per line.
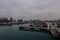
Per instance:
(13,33)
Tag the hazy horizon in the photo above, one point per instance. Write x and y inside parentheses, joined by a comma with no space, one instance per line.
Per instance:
(30,9)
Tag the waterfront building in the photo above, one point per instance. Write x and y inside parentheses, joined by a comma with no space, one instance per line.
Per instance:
(3,20)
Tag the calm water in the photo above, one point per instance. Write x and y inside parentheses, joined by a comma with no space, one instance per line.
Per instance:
(13,33)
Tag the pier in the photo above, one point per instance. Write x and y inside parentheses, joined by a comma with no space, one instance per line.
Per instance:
(50,28)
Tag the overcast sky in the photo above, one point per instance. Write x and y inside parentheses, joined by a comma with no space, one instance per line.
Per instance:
(30,9)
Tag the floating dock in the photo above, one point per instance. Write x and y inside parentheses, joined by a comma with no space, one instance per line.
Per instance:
(52,29)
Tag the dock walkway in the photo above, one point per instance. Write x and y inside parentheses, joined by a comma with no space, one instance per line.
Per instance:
(52,28)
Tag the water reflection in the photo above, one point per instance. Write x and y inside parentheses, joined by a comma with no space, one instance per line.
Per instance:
(13,33)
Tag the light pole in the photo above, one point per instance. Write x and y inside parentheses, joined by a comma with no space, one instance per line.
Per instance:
(50,16)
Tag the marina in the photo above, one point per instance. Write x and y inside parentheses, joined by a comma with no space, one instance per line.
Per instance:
(29,19)
(13,33)
(50,27)
(53,29)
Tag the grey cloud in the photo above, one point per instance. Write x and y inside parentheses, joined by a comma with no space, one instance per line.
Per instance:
(30,9)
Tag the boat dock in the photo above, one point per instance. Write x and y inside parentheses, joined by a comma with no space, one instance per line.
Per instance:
(51,28)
